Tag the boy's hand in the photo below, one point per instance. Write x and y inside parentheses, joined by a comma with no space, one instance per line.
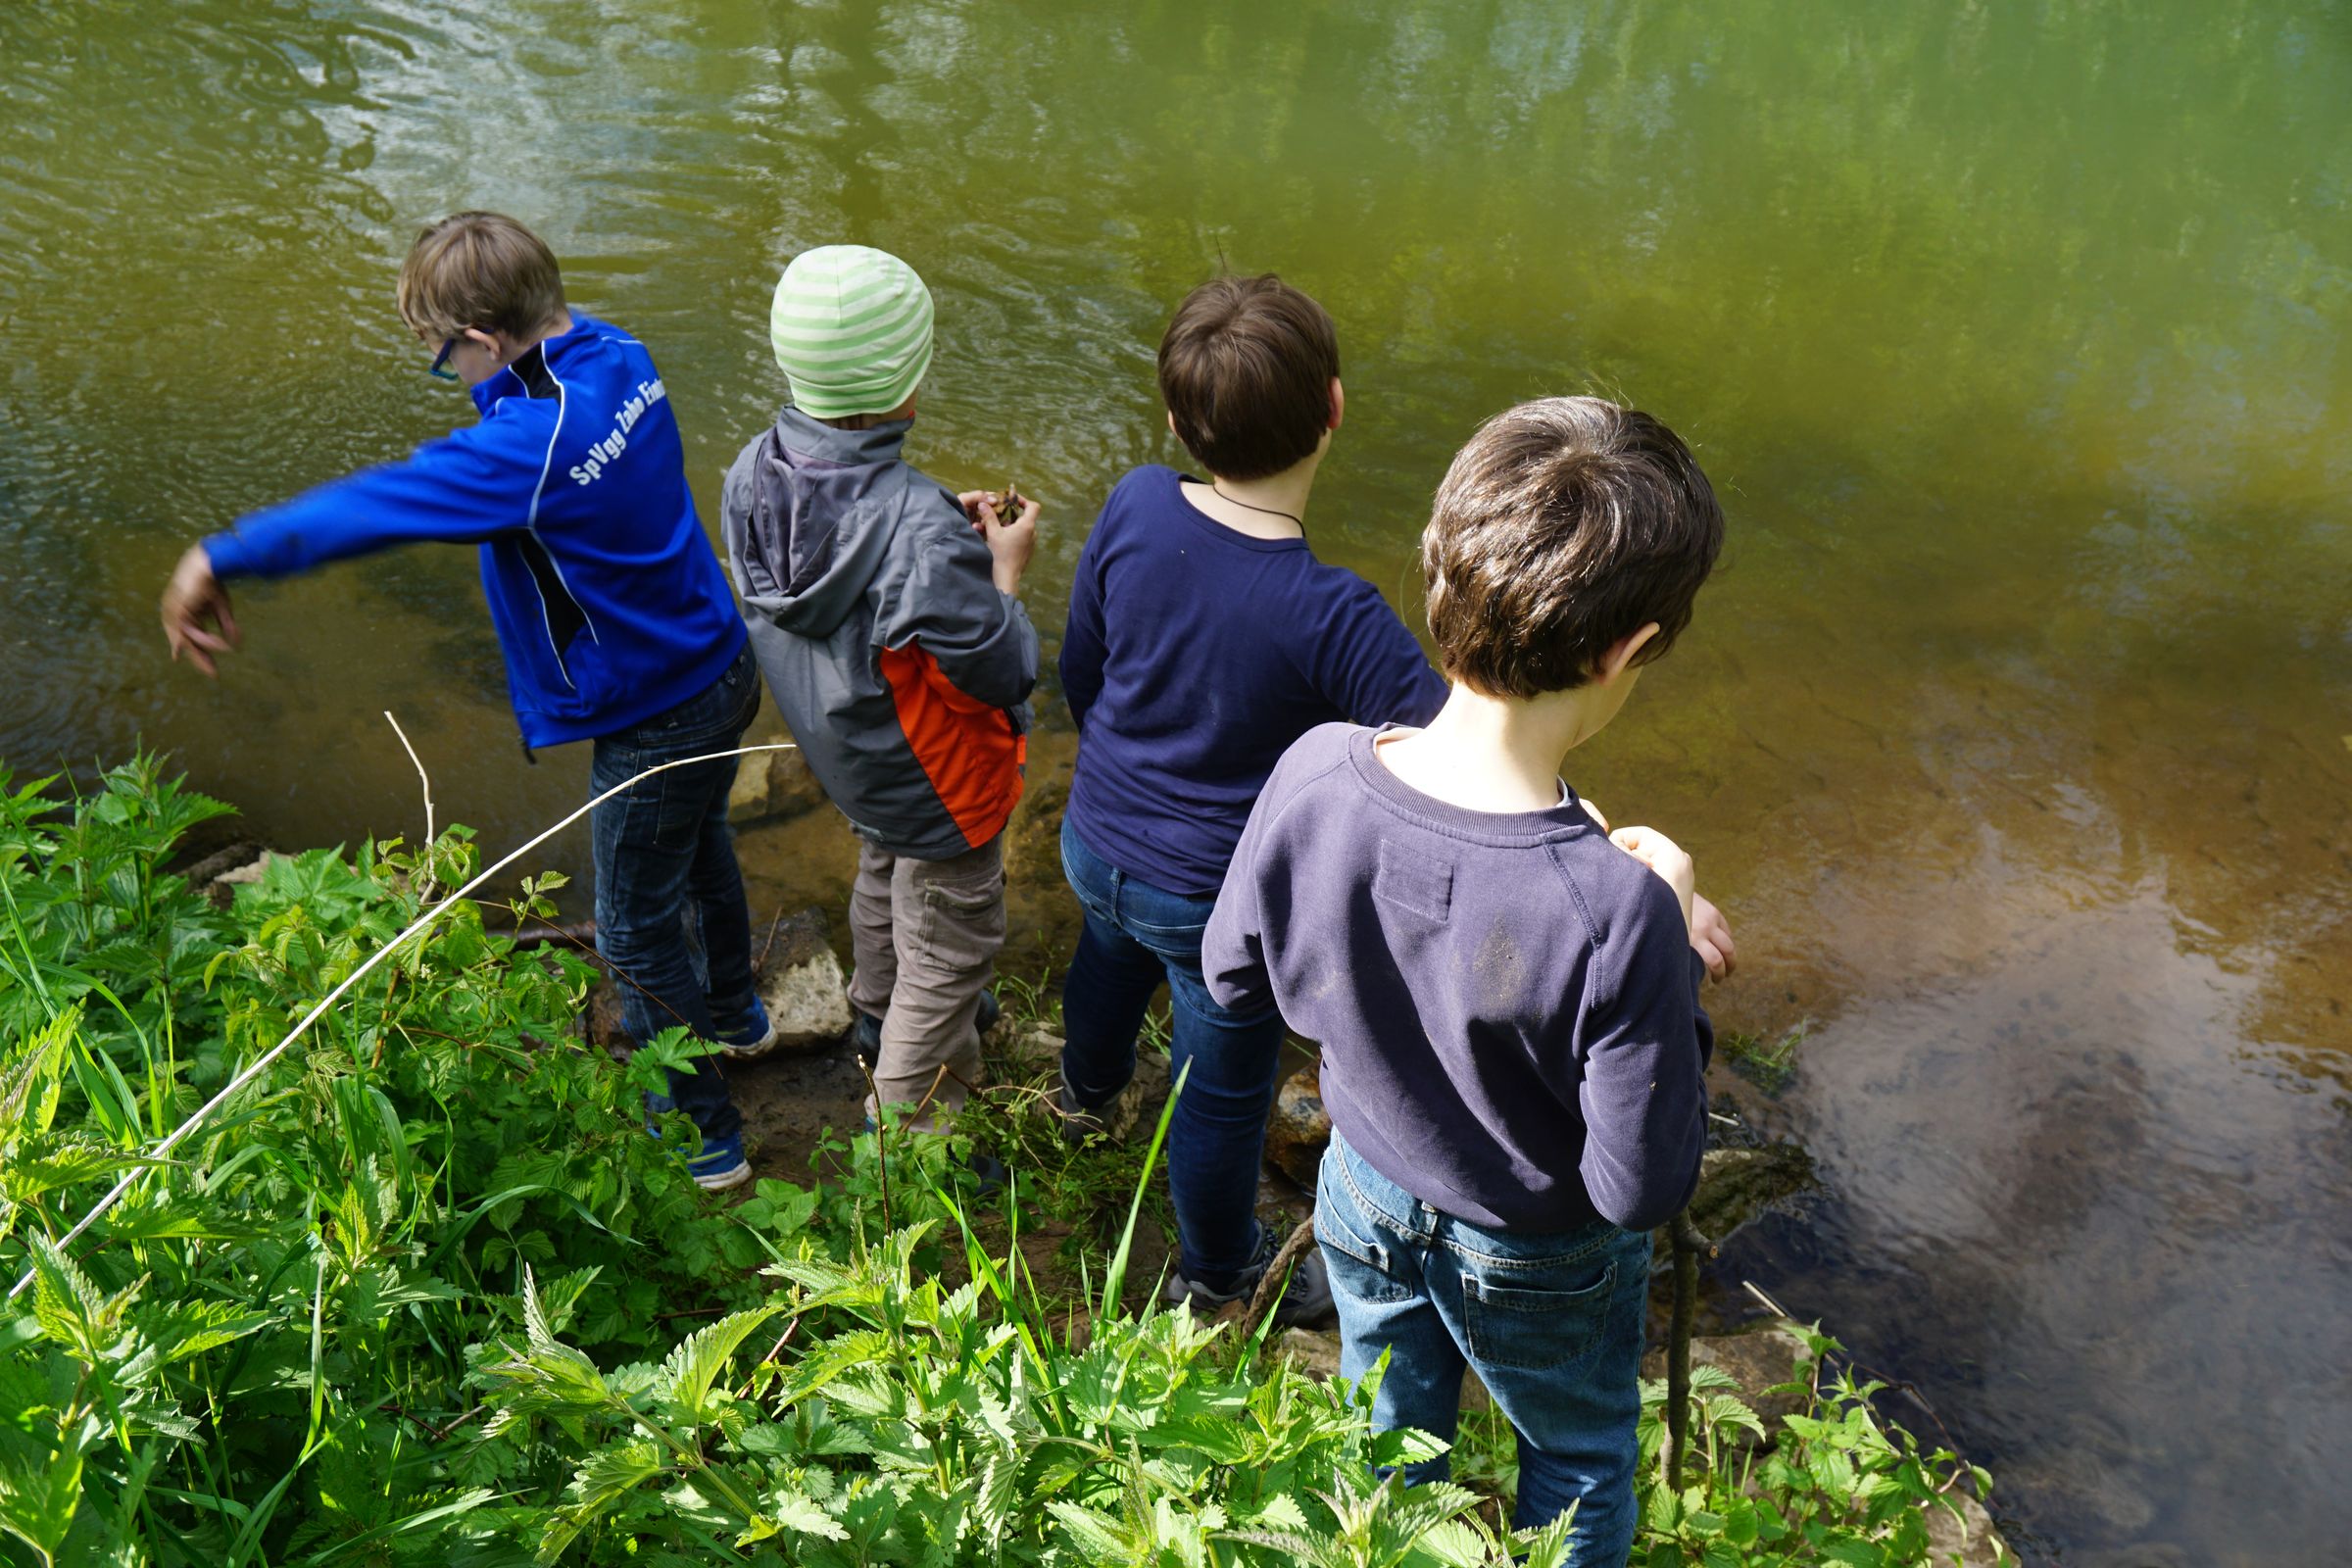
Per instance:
(1011,543)
(194,600)
(1663,856)
(1711,939)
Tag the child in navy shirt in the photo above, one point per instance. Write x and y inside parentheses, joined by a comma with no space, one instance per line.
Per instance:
(1507,995)
(1204,638)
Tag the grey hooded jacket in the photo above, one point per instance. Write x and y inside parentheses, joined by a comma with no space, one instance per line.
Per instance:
(902,671)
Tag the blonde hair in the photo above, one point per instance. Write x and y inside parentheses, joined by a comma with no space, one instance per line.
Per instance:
(478,269)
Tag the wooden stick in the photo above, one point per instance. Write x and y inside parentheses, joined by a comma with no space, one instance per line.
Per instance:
(1688,1245)
(1269,1284)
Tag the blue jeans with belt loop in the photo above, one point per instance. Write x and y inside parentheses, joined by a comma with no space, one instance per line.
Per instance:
(1136,936)
(1552,1321)
(670,917)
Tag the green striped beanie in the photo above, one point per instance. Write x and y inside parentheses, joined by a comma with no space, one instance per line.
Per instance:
(852,328)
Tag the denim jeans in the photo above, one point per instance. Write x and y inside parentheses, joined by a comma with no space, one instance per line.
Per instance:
(1552,1321)
(671,918)
(1136,936)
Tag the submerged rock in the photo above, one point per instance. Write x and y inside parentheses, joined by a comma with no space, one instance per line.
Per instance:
(1033,838)
(1736,1185)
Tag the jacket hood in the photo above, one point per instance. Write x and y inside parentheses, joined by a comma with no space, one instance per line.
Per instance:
(804,563)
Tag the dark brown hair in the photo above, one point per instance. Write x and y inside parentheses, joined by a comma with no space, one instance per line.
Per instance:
(1245,370)
(478,269)
(1565,525)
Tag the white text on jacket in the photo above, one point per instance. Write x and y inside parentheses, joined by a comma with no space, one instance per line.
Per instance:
(613,446)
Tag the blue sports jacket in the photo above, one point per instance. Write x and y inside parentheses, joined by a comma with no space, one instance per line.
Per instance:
(609,603)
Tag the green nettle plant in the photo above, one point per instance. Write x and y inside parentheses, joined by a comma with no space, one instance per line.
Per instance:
(424,1292)
(955,1426)
(260,1353)
(1833,1484)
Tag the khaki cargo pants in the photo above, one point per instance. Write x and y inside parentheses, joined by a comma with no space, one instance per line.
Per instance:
(925,935)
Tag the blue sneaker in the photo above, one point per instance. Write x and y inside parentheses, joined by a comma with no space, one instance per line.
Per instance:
(755,1036)
(721,1166)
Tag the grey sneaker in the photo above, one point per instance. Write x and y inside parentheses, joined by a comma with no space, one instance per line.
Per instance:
(1078,1123)
(1307,1300)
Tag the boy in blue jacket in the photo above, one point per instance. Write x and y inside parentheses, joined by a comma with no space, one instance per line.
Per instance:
(613,615)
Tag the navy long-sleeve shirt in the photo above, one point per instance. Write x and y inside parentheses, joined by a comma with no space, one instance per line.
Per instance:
(1508,1002)
(1194,655)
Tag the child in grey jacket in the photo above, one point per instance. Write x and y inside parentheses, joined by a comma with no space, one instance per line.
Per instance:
(882,614)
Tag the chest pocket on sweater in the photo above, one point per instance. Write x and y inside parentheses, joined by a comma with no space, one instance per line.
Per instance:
(1412,882)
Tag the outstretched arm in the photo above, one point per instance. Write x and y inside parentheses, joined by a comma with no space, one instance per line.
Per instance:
(461,489)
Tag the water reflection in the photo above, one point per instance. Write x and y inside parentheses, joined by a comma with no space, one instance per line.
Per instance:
(2012,731)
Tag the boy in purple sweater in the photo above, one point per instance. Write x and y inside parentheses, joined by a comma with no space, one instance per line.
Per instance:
(1204,638)
(1506,994)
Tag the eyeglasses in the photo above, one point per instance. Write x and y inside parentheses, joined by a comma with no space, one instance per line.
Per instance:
(439,369)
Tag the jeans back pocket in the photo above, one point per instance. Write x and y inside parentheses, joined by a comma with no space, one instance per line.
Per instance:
(1545,1322)
(1356,1265)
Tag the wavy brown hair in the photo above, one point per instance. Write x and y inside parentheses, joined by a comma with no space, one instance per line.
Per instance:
(1565,525)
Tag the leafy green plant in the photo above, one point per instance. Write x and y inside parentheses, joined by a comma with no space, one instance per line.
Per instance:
(256,1355)
(939,1425)
(1769,1064)
(422,1292)
(1829,1483)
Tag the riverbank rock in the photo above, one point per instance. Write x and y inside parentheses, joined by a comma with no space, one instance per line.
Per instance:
(771,785)
(807,995)
(1299,1129)
(219,875)
(801,984)
(227,858)
(1763,1357)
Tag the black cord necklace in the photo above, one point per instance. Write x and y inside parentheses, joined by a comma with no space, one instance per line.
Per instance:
(1267,511)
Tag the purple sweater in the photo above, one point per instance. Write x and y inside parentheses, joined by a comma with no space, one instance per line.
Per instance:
(1194,655)
(1508,1002)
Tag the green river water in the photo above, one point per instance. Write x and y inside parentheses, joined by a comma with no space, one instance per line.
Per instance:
(2014,734)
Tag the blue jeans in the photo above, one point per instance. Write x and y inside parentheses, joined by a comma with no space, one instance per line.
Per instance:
(1552,1320)
(1136,936)
(670,920)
